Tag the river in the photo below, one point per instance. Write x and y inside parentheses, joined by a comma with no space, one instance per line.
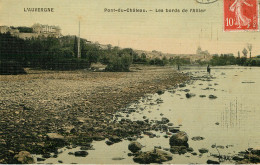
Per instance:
(231,121)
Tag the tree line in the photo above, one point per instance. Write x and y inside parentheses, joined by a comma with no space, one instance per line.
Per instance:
(230,59)
(61,54)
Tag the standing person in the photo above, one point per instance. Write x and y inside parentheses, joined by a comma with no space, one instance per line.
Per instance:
(178,67)
(241,19)
(208,69)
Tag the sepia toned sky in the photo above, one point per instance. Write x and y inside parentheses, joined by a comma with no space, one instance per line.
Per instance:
(167,32)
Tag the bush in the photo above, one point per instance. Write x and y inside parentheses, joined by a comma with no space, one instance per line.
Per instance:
(25,29)
(11,68)
(158,61)
(223,59)
(119,64)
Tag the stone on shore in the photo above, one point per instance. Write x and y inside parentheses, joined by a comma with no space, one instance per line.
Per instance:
(55,140)
(189,95)
(179,139)
(165,120)
(81,153)
(256,151)
(212,97)
(87,147)
(24,157)
(212,162)
(178,149)
(203,150)
(41,159)
(118,158)
(77,109)
(174,129)
(55,136)
(109,142)
(98,138)
(134,147)
(115,139)
(160,92)
(197,138)
(237,158)
(253,158)
(154,156)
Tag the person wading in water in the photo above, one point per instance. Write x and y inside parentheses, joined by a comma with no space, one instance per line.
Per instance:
(208,69)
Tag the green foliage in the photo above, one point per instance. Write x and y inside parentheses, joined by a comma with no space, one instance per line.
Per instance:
(104,59)
(118,59)
(158,61)
(241,61)
(252,62)
(67,53)
(11,68)
(223,59)
(201,63)
(179,61)
(143,57)
(119,63)
(91,52)
(165,60)
(42,52)
(75,47)
(25,29)
(245,52)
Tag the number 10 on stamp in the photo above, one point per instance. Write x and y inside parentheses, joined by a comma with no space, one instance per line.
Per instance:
(241,15)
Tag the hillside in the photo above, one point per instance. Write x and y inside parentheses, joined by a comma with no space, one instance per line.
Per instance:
(192,57)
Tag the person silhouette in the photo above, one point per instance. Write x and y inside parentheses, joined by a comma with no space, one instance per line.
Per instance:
(208,69)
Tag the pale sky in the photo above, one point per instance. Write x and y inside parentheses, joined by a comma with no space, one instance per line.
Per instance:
(166,32)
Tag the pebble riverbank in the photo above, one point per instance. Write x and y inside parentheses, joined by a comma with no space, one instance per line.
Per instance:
(46,110)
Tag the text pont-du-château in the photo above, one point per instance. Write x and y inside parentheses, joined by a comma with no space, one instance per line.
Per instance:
(136,10)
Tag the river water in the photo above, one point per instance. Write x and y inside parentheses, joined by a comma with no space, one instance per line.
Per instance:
(231,121)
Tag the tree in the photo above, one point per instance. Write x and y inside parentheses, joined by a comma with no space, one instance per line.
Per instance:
(249,46)
(25,29)
(75,47)
(199,50)
(165,60)
(143,57)
(109,47)
(245,52)
(238,54)
(119,63)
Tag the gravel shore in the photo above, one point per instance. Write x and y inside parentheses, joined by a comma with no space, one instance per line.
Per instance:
(77,107)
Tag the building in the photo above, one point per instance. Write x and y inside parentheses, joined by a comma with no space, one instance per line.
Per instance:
(38,30)
(54,31)
(6,29)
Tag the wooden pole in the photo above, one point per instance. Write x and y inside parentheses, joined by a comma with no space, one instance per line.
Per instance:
(79,54)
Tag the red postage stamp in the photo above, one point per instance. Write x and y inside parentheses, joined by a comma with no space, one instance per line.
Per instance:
(241,15)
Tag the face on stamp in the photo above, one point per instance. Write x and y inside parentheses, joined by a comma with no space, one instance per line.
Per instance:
(241,15)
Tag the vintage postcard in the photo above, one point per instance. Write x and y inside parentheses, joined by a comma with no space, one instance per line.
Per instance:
(129,82)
